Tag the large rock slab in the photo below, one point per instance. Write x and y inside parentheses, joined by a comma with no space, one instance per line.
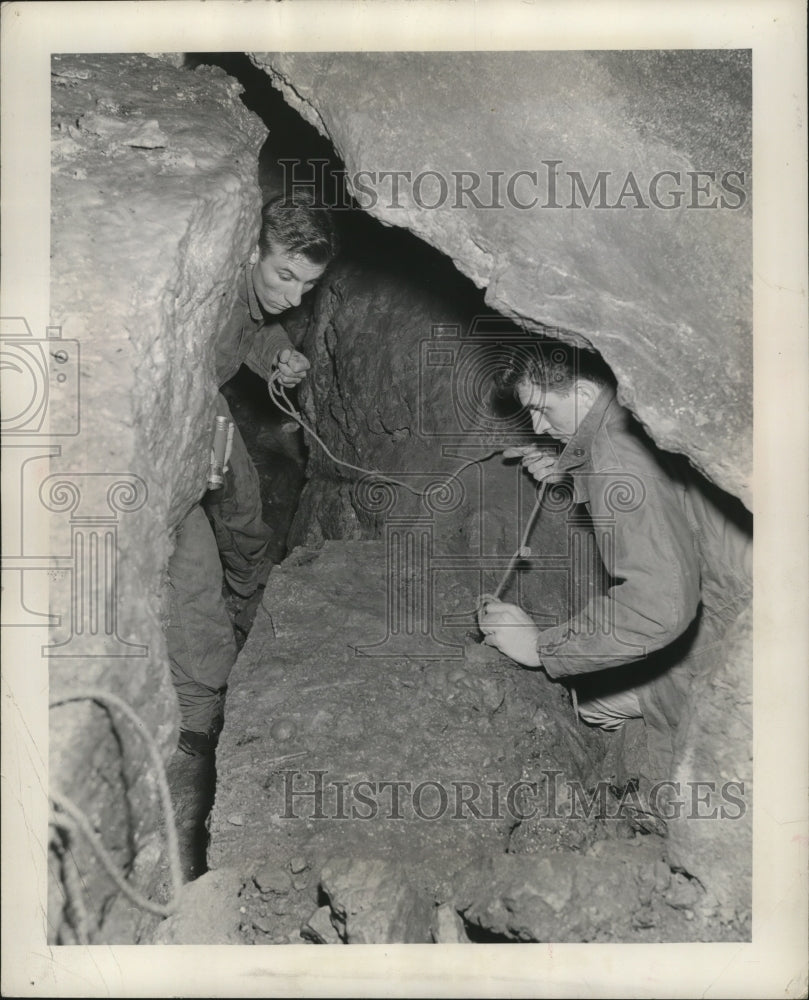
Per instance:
(658,281)
(551,897)
(208,912)
(154,208)
(341,744)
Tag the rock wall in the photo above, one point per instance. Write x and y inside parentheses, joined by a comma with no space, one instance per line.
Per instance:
(656,274)
(154,207)
(712,836)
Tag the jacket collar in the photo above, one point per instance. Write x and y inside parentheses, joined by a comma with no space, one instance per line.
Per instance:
(252,302)
(577,450)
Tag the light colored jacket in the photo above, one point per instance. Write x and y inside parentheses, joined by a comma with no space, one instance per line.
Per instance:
(679,556)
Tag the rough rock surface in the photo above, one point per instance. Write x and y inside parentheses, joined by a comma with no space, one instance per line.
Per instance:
(664,293)
(154,207)
(319,928)
(324,751)
(620,893)
(713,834)
(305,713)
(207,912)
(447,926)
(552,897)
(373,902)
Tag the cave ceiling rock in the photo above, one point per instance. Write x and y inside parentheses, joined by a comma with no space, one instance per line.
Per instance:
(663,294)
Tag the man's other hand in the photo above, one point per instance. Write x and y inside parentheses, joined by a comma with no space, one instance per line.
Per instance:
(539,462)
(292,367)
(508,628)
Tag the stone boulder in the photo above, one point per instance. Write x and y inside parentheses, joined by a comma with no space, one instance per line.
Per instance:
(373,902)
(651,268)
(551,897)
(208,911)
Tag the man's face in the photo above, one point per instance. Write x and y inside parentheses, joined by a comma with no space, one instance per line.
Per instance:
(554,413)
(281,279)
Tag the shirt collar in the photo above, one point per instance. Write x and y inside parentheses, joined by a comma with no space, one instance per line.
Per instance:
(577,450)
(252,302)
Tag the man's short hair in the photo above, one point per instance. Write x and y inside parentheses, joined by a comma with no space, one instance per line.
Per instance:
(295,225)
(552,365)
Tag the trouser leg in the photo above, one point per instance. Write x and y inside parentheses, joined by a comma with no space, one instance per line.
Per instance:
(236,515)
(199,635)
(622,710)
(610,698)
(612,710)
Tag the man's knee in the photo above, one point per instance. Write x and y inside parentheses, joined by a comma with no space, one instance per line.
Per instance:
(610,711)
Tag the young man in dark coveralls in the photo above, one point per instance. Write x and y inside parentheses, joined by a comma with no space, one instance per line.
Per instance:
(679,561)
(296,243)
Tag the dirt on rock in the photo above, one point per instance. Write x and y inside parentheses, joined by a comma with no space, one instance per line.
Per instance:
(371,798)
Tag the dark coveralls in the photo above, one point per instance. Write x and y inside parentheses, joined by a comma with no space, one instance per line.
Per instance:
(199,634)
(681,573)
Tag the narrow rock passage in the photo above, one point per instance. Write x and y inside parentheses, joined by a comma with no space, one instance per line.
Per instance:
(278,458)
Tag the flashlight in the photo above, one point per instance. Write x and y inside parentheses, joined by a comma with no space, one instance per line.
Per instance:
(216,475)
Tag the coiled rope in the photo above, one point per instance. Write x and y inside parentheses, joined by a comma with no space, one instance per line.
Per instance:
(66,815)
